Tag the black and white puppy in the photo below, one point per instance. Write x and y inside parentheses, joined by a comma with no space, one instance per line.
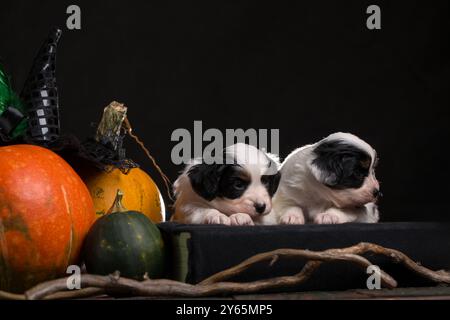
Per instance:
(235,191)
(331,181)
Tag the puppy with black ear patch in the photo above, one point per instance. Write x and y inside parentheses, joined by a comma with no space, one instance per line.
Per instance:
(331,181)
(235,191)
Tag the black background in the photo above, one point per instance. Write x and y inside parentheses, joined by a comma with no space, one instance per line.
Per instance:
(308,68)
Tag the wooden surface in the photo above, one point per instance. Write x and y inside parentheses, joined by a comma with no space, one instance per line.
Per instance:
(425,293)
(434,293)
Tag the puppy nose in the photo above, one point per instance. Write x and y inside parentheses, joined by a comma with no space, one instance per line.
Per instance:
(260,207)
(376,193)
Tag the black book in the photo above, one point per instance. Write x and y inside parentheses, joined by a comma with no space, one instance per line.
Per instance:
(199,251)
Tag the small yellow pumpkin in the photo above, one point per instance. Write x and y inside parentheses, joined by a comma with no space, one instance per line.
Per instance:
(140,191)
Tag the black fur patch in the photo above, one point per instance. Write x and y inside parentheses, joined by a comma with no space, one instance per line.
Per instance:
(234,182)
(343,165)
(272,178)
(271,182)
(218,180)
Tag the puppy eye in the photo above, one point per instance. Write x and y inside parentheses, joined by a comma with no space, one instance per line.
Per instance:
(239,184)
(365,164)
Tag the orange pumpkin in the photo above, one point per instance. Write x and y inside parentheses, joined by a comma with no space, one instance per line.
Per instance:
(45,213)
(141,192)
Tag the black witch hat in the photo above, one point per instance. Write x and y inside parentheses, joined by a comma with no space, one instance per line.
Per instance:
(40,97)
(40,94)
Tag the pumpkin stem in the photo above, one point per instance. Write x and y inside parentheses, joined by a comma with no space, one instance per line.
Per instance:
(117,205)
(108,131)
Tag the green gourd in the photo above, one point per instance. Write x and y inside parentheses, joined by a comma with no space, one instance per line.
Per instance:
(124,241)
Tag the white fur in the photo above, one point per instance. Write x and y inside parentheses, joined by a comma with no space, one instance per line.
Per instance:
(301,197)
(192,208)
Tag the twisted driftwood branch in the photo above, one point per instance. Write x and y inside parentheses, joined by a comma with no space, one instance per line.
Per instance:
(95,285)
(344,254)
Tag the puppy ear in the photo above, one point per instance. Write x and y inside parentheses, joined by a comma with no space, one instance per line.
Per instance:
(205,179)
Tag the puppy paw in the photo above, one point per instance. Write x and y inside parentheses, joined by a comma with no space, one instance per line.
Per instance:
(241,219)
(327,218)
(373,215)
(216,218)
(292,218)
